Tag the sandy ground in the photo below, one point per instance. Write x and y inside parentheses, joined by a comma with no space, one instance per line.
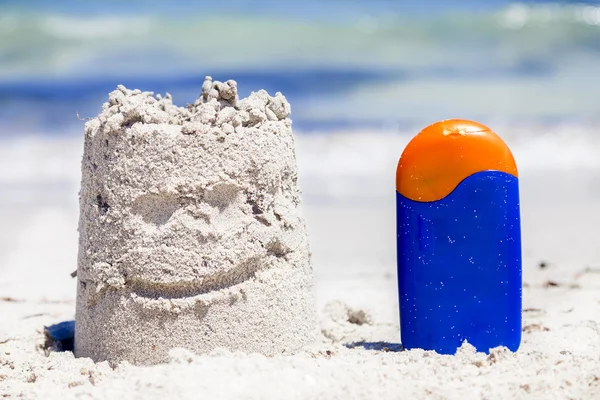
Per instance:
(353,244)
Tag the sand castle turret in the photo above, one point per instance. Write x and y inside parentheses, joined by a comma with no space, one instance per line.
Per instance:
(190,229)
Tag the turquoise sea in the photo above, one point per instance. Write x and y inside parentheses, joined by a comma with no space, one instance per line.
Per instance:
(351,64)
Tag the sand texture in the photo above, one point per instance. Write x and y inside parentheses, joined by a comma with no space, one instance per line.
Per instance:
(357,358)
(190,229)
(348,200)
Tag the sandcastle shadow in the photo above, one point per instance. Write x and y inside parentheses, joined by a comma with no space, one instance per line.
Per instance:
(378,346)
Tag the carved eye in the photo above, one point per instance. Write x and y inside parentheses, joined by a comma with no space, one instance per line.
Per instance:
(156,209)
(221,195)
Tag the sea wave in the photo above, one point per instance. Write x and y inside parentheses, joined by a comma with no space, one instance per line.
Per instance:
(376,66)
(332,165)
(54,44)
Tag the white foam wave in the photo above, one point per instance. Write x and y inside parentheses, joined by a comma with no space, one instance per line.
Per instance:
(332,165)
(39,170)
(363,165)
(67,27)
(30,41)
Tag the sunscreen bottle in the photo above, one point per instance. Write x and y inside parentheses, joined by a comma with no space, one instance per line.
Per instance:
(458,240)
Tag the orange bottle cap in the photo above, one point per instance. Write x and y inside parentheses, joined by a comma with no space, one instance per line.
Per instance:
(443,154)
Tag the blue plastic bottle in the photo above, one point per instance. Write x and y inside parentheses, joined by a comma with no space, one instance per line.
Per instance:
(458,240)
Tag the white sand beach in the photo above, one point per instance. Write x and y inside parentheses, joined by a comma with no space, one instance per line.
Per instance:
(305,195)
(352,239)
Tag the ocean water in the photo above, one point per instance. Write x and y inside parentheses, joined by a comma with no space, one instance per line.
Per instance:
(383,65)
(362,78)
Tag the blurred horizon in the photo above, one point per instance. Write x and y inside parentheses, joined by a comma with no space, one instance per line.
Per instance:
(381,65)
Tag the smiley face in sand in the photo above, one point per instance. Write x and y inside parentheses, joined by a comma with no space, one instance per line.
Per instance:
(192,213)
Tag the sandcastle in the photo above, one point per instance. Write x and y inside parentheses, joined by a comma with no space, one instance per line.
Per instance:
(190,229)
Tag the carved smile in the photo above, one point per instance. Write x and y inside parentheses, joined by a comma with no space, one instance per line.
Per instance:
(244,271)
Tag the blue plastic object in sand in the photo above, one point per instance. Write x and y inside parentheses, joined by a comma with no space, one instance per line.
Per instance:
(458,240)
